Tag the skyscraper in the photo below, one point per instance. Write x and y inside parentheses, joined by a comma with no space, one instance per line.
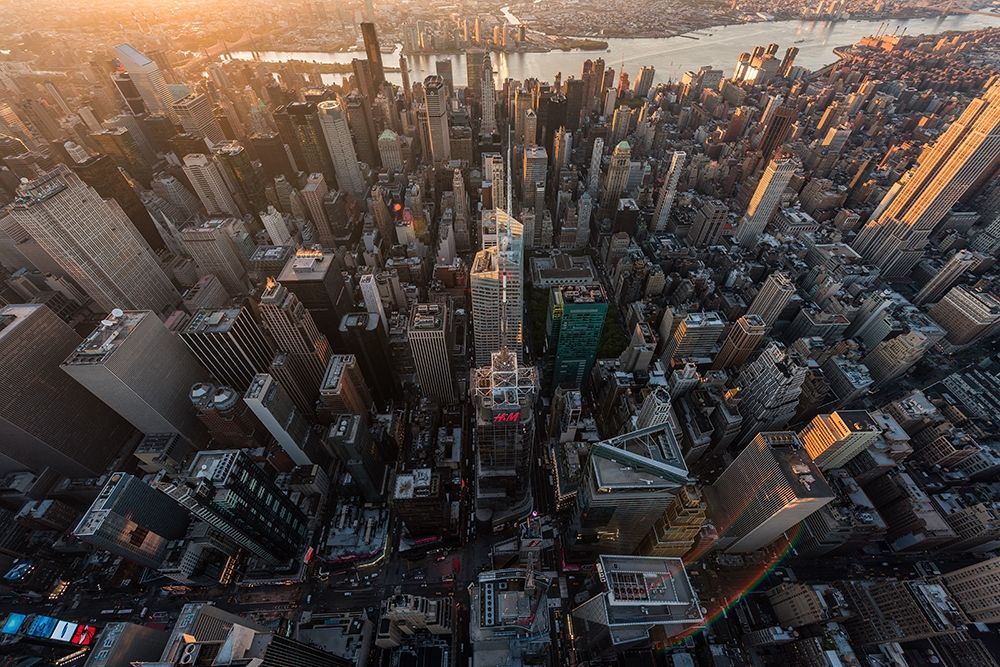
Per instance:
(967,314)
(769,390)
(489,98)
(695,336)
(148,80)
(352,443)
(744,337)
(142,371)
(573,329)
(93,241)
(614,183)
(374,53)
(766,199)
(627,482)
(344,390)
(47,420)
(299,127)
(133,520)
(230,343)
(661,217)
(639,600)
(503,395)
(274,408)
(101,173)
(217,247)
(535,165)
(333,122)
(430,338)
(316,279)
(946,170)
(194,113)
(436,105)
(831,440)
(228,491)
(772,298)
(947,276)
(362,336)
(497,292)
(768,488)
(295,333)
(776,131)
(210,184)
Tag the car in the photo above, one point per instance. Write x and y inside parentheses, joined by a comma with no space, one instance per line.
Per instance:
(440,558)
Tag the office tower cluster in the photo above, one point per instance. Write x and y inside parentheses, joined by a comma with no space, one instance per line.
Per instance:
(439,354)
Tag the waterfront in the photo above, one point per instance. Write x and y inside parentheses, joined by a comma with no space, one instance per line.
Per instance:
(671,56)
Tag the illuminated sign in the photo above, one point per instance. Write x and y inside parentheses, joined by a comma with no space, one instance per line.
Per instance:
(13,623)
(83,635)
(41,626)
(507,417)
(63,631)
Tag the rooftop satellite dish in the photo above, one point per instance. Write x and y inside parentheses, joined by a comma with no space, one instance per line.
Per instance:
(117,312)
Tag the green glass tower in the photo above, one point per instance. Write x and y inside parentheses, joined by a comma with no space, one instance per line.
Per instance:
(573,329)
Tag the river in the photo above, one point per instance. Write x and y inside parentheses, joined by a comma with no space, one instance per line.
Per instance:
(671,56)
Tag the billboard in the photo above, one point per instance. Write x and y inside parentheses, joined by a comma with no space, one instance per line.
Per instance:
(13,623)
(83,635)
(42,627)
(63,631)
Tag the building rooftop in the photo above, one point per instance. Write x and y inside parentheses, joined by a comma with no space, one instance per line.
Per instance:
(427,317)
(645,458)
(109,335)
(212,320)
(307,265)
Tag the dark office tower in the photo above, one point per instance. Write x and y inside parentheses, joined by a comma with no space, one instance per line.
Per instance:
(551,116)
(420,499)
(359,121)
(778,128)
(122,147)
(352,443)
(364,337)
(245,174)
(299,127)
(444,70)
(295,333)
(230,344)
(313,276)
(573,330)
(101,173)
(343,390)
(374,53)
(788,61)
(186,143)
(228,491)
(158,130)
(142,371)
(228,418)
(46,419)
(130,94)
(574,103)
(363,78)
(133,520)
(270,151)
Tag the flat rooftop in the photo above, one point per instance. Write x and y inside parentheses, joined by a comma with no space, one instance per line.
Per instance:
(109,335)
